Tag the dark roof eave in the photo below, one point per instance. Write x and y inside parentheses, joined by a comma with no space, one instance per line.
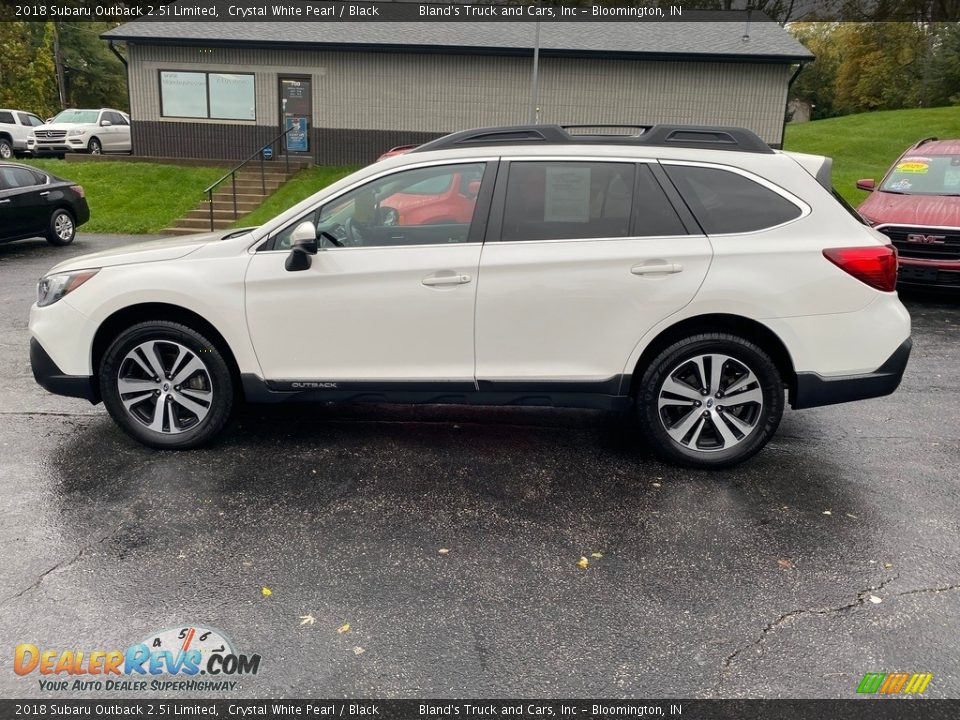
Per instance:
(462,50)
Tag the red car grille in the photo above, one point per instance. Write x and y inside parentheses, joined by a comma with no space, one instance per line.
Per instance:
(924,243)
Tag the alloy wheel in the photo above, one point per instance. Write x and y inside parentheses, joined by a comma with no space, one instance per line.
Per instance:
(63,226)
(165,386)
(710,402)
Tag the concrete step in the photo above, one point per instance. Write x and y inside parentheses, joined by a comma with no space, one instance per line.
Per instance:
(202,213)
(243,206)
(202,224)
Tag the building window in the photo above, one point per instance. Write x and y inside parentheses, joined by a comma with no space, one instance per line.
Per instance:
(219,96)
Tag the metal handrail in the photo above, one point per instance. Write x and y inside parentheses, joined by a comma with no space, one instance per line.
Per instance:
(232,174)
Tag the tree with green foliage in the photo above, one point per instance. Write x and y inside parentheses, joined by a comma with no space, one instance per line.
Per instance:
(27,76)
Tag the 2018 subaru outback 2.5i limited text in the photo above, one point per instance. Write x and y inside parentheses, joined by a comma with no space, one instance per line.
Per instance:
(691,272)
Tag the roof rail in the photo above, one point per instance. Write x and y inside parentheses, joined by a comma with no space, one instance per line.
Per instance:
(922,142)
(686,136)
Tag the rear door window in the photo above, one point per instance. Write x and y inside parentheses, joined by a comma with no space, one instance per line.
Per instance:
(17,177)
(727,202)
(561,200)
(6,117)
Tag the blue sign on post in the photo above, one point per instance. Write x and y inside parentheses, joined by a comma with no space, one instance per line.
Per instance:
(297,139)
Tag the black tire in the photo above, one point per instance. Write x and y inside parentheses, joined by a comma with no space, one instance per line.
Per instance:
(218,376)
(705,445)
(62,228)
(6,149)
(94,147)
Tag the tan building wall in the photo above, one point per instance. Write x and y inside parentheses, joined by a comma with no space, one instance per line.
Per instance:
(437,93)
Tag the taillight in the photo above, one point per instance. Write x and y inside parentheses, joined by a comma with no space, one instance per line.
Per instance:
(876,266)
(78,189)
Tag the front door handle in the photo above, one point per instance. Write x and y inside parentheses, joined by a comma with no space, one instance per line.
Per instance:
(447,279)
(44,193)
(658,268)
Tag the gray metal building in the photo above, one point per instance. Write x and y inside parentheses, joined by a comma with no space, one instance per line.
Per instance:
(353,90)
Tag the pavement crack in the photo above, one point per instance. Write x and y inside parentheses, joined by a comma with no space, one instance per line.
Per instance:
(931,590)
(62,565)
(48,414)
(761,639)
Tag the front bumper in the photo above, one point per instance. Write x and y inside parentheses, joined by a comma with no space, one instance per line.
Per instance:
(53,379)
(814,390)
(928,273)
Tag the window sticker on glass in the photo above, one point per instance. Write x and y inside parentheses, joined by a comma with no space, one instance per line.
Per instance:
(919,165)
(567,196)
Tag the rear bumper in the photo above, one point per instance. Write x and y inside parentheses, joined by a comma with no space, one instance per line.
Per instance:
(814,390)
(53,379)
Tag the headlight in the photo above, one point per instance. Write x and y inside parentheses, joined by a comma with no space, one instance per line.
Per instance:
(76,131)
(53,287)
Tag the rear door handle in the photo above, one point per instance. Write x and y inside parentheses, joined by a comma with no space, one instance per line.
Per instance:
(45,192)
(5,201)
(659,268)
(451,279)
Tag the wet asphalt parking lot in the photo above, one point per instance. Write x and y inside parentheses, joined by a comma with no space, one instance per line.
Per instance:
(833,553)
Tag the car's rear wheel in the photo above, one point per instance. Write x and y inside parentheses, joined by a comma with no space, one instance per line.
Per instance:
(62,228)
(166,385)
(6,149)
(710,401)
(94,147)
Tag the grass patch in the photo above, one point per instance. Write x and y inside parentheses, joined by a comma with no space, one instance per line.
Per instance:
(865,145)
(131,197)
(301,186)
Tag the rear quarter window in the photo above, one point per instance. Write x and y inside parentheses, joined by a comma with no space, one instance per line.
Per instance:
(726,202)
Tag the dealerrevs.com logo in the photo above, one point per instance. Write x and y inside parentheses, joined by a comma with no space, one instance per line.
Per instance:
(183,653)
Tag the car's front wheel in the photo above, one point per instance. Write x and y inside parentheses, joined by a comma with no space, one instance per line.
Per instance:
(94,147)
(166,385)
(62,228)
(710,401)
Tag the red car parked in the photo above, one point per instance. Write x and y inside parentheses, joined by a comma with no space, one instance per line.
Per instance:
(917,205)
(444,199)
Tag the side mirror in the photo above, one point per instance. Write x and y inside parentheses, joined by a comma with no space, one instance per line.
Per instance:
(868,184)
(304,239)
(105,123)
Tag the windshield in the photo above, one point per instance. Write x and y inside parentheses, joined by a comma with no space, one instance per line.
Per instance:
(77,116)
(924,175)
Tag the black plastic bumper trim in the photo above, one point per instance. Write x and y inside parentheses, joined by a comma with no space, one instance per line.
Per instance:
(814,390)
(53,379)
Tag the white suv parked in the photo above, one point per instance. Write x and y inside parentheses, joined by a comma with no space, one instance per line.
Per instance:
(15,128)
(89,131)
(691,273)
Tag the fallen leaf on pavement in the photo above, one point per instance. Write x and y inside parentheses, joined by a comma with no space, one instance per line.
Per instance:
(582,563)
(875,600)
(344,628)
(596,555)
(307,619)
(265,591)
(358,650)
(785,564)
(443,551)
(888,565)
(827,512)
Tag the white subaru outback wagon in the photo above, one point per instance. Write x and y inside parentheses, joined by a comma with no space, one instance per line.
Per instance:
(693,274)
